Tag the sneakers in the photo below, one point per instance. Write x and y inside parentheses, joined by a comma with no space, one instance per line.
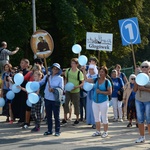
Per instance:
(35,129)
(120,120)
(129,125)
(21,124)
(115,120)
(11,122)
(93,126)
(57,134)
(64,122)
(48,133)
(26,126)
(76,122)
(140,140)
(97,133)
(105,134)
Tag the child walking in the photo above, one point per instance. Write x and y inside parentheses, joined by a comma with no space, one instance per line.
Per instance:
(36,108)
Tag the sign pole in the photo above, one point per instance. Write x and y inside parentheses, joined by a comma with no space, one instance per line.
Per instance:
(79,55)
(34,19)
(46,68)
(99,58)
(134,61)
(45,64)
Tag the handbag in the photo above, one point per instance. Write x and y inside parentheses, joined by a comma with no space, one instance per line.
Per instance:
(58,93)
(120,96)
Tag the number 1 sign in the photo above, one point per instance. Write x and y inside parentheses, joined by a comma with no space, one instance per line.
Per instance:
(129,30)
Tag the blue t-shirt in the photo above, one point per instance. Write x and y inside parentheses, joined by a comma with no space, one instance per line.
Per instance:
(100,98)
(118,84)
(122,75)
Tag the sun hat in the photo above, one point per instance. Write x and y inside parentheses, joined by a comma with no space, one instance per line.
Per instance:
(57,65)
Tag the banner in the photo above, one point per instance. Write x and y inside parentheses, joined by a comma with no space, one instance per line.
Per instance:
(42,43)
(99,41)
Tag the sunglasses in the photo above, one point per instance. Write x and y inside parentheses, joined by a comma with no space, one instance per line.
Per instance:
(144,66)
(132,78)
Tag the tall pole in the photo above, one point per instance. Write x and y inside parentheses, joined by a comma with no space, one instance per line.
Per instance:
(99,52)
(134,61)
(34,15)
(34,19)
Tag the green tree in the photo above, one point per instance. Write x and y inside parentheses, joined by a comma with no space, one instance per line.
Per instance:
(68,21)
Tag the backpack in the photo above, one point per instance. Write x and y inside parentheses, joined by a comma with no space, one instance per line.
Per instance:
(106,84)
(78,76)
(58,93)
(83,93)
(120,97)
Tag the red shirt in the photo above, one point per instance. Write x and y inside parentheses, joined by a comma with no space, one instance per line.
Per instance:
(29,76)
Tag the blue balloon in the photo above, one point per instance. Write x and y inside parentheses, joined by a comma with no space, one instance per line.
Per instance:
(82,60)
(69,86)
(76,48)
(28,87)
(28,103)
(2,102)
(35,86)
(33,98)
(88,86)
(142,79)
(18,78)
(15,89)
(10,95)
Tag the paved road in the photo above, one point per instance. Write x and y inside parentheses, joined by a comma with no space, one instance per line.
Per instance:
(72,137)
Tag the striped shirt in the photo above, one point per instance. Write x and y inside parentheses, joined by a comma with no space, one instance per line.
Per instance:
(4,54)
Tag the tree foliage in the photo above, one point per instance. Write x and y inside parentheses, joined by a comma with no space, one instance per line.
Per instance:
(68,21)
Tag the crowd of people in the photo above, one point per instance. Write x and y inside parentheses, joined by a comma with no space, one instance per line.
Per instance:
(128,99)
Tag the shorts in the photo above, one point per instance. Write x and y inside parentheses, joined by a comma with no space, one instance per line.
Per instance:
(143,111)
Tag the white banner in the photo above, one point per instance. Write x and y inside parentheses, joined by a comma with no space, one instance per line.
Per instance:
(99,41)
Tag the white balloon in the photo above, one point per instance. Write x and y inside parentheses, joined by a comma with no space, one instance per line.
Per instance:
(33,98)
(76,48)
(28,103)
(142,79)
(18,78)
(69,86)
(10,95)
(82,60)
(15,89)
(88,86)
(28,87)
